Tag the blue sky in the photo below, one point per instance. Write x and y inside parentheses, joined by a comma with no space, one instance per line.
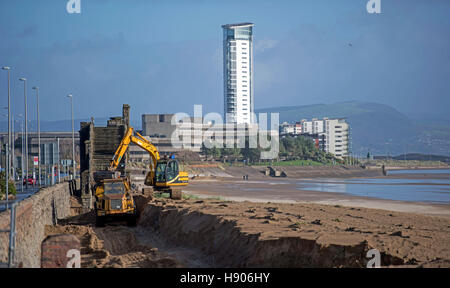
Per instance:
(166,56)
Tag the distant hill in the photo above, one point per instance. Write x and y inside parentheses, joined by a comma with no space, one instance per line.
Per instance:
(417,157)
(377,128)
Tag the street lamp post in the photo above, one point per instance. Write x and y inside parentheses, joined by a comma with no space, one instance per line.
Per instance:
(58,168)
(9,136)
(22,124)
(13,130)
(21,138)
(39,135)
(73,136)
(26,128)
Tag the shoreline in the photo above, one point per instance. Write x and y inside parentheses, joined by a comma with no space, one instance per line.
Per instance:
(394,168)
(260,188)
(422,208)
(227,183)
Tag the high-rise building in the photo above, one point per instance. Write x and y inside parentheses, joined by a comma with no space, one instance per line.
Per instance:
(238,72)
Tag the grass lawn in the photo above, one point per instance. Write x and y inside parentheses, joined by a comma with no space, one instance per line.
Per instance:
(292,163)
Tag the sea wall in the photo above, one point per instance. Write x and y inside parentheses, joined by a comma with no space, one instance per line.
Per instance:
(32,214)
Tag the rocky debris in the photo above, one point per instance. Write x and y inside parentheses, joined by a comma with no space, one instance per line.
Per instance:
(316,222)
(399,234)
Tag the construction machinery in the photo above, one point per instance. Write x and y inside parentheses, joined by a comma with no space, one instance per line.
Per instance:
(113,199)
(164,175)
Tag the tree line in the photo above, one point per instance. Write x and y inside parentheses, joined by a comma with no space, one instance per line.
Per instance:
(290,148)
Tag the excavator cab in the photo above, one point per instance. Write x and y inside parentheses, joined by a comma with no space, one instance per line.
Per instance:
(166,170)
(167,177)
(167,174)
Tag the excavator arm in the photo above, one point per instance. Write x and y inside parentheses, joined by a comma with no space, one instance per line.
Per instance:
(121,149)
(141,142)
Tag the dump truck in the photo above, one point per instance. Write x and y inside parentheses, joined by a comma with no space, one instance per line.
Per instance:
(113,199)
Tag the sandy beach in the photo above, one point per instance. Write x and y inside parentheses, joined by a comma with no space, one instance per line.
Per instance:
(261,188)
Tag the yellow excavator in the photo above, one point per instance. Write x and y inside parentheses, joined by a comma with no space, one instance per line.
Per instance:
(164,174)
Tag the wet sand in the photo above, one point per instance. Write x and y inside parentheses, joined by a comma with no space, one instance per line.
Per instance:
(286,190)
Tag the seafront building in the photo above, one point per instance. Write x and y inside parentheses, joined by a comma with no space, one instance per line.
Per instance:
(192,134)
(329,135)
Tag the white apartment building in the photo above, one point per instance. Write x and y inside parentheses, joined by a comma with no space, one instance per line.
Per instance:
(332,134)
(286,128)
(337,137)
(307,126)
(318,126)
(238,72)
(336,132)
(294,129)
(298,129)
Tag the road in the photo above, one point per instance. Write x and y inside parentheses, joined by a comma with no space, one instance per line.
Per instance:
(20,195)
